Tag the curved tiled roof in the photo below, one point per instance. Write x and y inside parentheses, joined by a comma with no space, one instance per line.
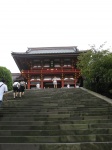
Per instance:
(51,50)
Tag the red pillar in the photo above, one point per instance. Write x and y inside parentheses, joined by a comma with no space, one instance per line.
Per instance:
(41,81)
(42,84)
(75,82)
(62,83)
(28,84)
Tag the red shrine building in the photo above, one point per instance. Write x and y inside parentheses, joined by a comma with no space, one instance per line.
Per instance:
(41,64)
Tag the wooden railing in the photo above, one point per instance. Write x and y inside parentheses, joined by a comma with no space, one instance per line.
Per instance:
(51,71)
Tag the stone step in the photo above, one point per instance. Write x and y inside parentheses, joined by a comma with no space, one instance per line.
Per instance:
(66,101)
(54,118)
(71,116)
(59,110)
(55,122)
(55,127)
(60,102)
(55,101)
(56,139)
(62,99)
(56,132)
(55,110)
(57,146)
(44,127)
(58,115)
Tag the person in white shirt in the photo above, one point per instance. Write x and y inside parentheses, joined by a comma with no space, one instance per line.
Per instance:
(38,86)
(3,89)
(68,85)
(16,87)
(55,82)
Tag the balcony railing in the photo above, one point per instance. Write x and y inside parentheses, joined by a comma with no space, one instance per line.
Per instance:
(51,71)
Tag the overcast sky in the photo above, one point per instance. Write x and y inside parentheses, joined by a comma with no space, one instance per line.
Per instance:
(47,23)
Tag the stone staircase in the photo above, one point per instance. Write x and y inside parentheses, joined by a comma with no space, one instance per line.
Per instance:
(56,119)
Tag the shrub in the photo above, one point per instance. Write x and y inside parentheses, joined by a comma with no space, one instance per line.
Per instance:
(6,74)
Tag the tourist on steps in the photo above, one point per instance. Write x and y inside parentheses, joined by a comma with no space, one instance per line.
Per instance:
(22,87)
(3,89)
(54,82)
(16,86)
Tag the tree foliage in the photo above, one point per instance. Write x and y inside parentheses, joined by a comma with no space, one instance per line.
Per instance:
(6,74)
(96,67)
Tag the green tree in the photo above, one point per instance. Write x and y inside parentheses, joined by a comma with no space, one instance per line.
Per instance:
(96,67)
(6,74)
(84,63)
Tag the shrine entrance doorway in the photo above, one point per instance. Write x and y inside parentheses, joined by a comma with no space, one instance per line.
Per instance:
(49,84)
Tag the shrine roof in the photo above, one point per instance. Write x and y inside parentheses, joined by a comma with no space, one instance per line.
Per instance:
(49,50)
